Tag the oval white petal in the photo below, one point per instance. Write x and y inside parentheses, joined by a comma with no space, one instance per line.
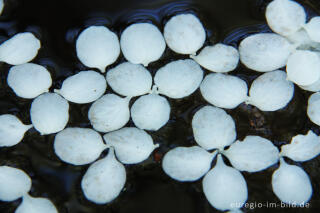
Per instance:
(303,67)
(315,87)
(19,49)
(302,147)
(301,40)
(109,113)
(14,183)
(12,130)
(265,52)
(83,87)
(78,146)
(313,28)
(313,109)
(97,47)
(29,80)
(104,180)
(253,154)
(36,205)
(271,91)
(224,187)
(132,145)
(213,128)
(150,112)
(49,113)
(218,58)
(187,163)
(291,184)
(184,34)
(142,43)
(129,79)
(179,79)
(285,17)
(225,91)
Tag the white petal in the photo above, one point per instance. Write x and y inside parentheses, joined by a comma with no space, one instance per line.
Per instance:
(179,79)
(313,28)
(224,187)
(104,180)
(187,163)
(184,34)
(142,43)
(315,87)
(49,113)
(97,47)
(264,52)
(313,109)
(285,16)
(132,145)
(109,113)
(303,67)
(14,183)
(225,91)
(12,130)
(291,184)
(78,146)
(29,80)
(129,79)
(253,154)
(301,40)
(213,128)
(150,112)
(271,91)
(19,49)
(83,87)
(302,147)
(218,58)
(36,205)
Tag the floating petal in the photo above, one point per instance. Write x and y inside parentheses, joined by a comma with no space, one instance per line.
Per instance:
(187,163)
(291,184)
(78,146)
(132,145)
(109,113)
(302,147)
(224,187)
(83,87)
(12,130)
(213,128)
(179,79)
(104,180)
(253,154)
(129,79)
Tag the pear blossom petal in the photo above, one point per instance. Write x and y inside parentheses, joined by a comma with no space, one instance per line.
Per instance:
(12,130)
(213,128)
(253,154)
(187,163)
(291,184)
(132,145)
(36,205)
(302,147)
(104,180)
(225,187)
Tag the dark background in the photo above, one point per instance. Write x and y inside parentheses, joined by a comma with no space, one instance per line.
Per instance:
(148,190)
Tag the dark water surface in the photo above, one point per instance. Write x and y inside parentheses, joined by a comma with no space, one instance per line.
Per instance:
(148,190)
